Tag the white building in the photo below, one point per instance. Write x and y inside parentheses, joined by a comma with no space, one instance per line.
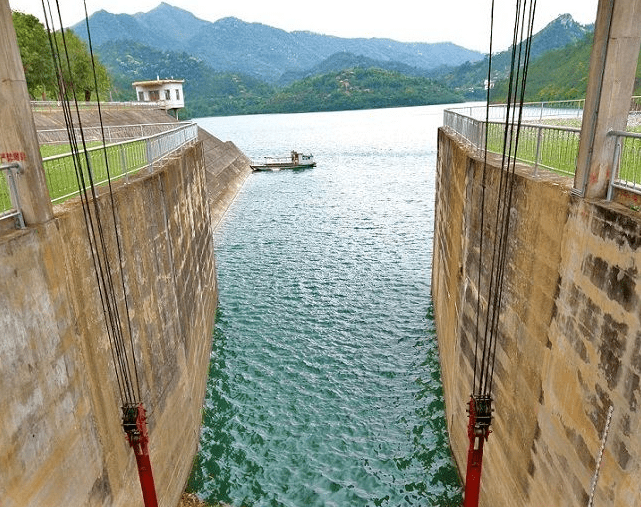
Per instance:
(488,84)
(168,93)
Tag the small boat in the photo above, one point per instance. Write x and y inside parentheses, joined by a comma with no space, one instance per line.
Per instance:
(294,161)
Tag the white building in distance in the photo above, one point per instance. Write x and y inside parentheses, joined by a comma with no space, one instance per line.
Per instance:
(488,84)
(168,93)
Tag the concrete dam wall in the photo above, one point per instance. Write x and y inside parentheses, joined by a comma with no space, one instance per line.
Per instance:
(569,341)
(61,437)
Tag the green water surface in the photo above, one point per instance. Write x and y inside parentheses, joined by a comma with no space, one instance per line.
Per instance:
(324,385)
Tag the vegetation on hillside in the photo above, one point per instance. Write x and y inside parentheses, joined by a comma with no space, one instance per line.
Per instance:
(345,60)
(358,88)
(35,51)
(342,81)
(254,49)
(211,93)
(470,78)
(207,92)
(561,74)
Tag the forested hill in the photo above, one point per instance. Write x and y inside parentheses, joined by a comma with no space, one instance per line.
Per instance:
(355,88)
(346,60)
(216,93)
(561,74)
(377,73)
(254,49)
(470,77)
(205,89)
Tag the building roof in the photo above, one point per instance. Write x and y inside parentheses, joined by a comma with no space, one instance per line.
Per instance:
(157,82)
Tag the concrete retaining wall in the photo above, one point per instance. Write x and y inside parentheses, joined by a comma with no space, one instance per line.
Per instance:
(569,342)
(61,439)
(227,170)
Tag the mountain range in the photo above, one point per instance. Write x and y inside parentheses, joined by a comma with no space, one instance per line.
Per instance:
(234,67)
(470,77)
(254,49)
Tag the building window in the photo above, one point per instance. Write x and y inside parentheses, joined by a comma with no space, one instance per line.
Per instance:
(167,94)
(177,94)
(154,95)
(141,96)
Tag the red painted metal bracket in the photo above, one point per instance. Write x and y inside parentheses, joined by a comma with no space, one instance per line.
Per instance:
(478,430)
(134,422)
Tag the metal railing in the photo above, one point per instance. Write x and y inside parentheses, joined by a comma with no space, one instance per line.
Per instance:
(462,121)
(51,105)
(9,198)
(122,158)
(532,111)
(626,166)
(558,112)
(551,147)
(112,133)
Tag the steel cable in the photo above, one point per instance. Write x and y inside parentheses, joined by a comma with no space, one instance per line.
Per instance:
(521,50)
(93,221)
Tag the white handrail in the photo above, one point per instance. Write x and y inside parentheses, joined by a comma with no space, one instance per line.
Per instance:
(555,146)
(124,158)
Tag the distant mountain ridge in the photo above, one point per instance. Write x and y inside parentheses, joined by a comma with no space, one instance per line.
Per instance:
(233,45)
(339,84)
(234,67)
(470,77)
(557,34)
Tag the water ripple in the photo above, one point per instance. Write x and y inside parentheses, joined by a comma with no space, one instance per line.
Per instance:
(324,385)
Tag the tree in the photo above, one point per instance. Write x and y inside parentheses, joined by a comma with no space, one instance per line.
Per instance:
(77,69)
(81,79)
(36,55)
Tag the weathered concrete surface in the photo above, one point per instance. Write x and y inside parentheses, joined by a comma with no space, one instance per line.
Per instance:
(17,130)
(569,336)
(227,170)
(54,119)
(61,440)
(611,82)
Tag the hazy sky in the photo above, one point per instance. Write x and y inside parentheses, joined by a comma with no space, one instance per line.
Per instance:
(464,22)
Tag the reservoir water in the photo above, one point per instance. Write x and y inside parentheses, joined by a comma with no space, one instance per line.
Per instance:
(324,386)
